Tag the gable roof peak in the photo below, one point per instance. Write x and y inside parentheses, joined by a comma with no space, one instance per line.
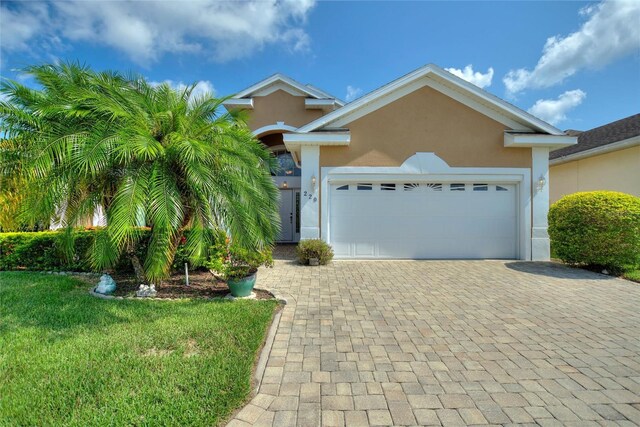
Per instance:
(442,80)
(281,79)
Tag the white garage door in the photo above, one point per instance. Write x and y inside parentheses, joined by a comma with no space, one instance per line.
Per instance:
(423,220)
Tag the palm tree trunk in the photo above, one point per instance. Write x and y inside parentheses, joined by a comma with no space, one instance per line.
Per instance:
(137,268)
(137,265)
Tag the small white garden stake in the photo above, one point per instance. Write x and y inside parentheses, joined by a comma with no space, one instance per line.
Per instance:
(186,272)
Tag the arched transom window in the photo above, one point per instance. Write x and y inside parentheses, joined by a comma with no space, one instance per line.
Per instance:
(287,165)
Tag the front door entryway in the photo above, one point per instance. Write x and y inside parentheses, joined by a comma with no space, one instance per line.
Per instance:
(289,215)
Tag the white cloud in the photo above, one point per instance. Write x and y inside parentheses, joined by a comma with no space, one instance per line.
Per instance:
(611,32)
(202,87)
(352,93)
(476,78)
(146,30)
(554,110)
(18,26)
(297,40)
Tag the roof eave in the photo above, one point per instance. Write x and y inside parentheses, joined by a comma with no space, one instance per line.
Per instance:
(596,151)
(531,140)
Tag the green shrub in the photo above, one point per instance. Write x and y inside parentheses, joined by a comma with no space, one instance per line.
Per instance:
(314,248)
(598,228)
(231,262)
(44,251)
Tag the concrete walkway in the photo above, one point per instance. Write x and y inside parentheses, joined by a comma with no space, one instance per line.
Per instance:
(449,343)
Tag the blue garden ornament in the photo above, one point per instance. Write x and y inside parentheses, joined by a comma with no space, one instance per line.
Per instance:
(106,286)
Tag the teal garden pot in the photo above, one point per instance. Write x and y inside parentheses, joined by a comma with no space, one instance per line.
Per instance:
(242,287)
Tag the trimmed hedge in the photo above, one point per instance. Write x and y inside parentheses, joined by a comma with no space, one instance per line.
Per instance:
(597,228)
(43,251)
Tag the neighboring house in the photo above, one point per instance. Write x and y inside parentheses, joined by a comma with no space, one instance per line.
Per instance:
(427,166)
(605,158)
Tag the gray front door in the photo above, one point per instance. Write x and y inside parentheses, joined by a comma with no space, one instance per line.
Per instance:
(287,216)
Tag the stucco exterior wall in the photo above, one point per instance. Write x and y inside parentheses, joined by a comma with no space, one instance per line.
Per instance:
(280,106)
(426,121)
(618,171)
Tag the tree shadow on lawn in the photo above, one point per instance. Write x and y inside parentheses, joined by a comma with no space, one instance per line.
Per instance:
(62,304)
(556,270)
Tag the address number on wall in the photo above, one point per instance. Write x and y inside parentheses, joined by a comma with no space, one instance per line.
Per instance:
(310,196)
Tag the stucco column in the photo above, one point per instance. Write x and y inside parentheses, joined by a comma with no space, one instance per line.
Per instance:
(309,193)
(540,245)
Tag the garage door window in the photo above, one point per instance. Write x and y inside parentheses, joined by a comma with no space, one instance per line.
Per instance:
(388,187)
(480,187)
(365,187)
(456,187)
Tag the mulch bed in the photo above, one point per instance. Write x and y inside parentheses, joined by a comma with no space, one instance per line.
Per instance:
(202,284)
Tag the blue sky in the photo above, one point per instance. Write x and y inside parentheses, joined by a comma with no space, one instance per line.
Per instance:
(575,64)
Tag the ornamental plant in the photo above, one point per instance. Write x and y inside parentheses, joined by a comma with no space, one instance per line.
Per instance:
(600,229)
(229,261)
(314,248)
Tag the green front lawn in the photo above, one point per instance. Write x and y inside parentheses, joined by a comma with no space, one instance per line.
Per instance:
(633,275)
(67,358)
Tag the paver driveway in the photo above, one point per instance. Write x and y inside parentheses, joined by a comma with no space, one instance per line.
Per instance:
(452,343)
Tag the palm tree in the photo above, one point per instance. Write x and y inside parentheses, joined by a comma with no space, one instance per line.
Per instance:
(10,186)
(143,153)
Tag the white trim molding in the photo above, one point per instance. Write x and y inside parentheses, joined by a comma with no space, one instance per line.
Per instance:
(317,138)
(295,142)
(429,167)
(238,103)
(278,127)
(275,79)
(280,85)
(281,82)
(321,104)
(442,80)
(603,149)
(532,140)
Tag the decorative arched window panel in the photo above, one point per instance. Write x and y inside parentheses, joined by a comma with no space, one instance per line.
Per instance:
(287,167)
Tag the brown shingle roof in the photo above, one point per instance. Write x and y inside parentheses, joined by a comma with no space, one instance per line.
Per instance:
(603,135)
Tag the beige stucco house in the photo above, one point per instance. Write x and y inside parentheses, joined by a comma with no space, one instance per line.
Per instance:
(427,166)
(605,158)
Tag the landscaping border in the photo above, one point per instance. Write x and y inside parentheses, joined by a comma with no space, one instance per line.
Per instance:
(261,366)
(92,292)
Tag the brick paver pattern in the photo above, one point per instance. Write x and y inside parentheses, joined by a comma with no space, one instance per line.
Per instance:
(449,343)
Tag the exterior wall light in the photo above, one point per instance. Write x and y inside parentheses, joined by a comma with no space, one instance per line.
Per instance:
(284,184)
(313,182)
(541,183)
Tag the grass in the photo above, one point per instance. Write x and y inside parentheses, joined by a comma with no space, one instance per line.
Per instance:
(67,358)
(633,274)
